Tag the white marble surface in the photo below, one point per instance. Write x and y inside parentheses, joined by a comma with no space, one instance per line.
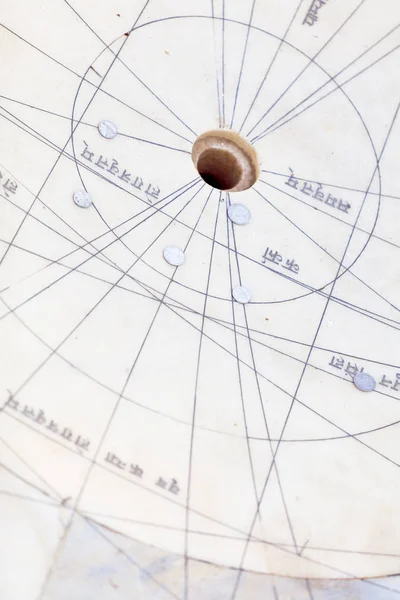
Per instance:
(158,438)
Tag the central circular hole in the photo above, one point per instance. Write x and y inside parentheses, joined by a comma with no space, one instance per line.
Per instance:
(225,160)
(219,168)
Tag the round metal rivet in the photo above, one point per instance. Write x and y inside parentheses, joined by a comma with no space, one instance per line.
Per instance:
(82,199)
(107,129)
(174,256)
(239,214)
(364,382)
(241,294)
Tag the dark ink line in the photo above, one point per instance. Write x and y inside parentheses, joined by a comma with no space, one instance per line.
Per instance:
(261,401)
(272,126)
(294,398)
(334,185)
(309,589)
(216,64)
(97,304)
(268,71)
(145,572)
(129,69)
(223,63)
(275,126)
(347,269)
(194,409)
(94,85)
(100,251)
(242,63)
(238,365)
(59,157)
(312,59)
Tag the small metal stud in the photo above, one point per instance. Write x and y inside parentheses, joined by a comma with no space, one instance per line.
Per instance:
(241,294)
(239,214)
(107,129)
(174,256)
(82,199)
(364,382)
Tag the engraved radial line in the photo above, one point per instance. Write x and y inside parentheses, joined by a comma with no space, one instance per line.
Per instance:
(223,64)
(59,156)
(262,403)
(370,235)
(281,546)
(331,215)
(86,260)
(339,352)
(120,396)
(335,425)
(120,133)
(272,127)
(226,350)
(106,262)
(146,572)
(303,344)
(255,538)
(97,304)
(346,269)
(238,365)
(29,499)
(216,64)
(299,360)
(334,77)
(361,310)
(192,433)
(51,261)
(268,71)
(339,437)
(353,307)
(294,398)
(242,63)
(83,184)
(93,84)
(56,496)
(129,69)
(309,589)
(239,537)
(137,139)
(239,360)
(65,154)
(93,514)
(89,275)
(120,188)
(54,114)
(38,108)
(311,61)
(184,224)
(155,298)
(181,191)
(52,501)
(297,282)
(340,187)
(98,253)
(164,294)
(348,434)
(30,131)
